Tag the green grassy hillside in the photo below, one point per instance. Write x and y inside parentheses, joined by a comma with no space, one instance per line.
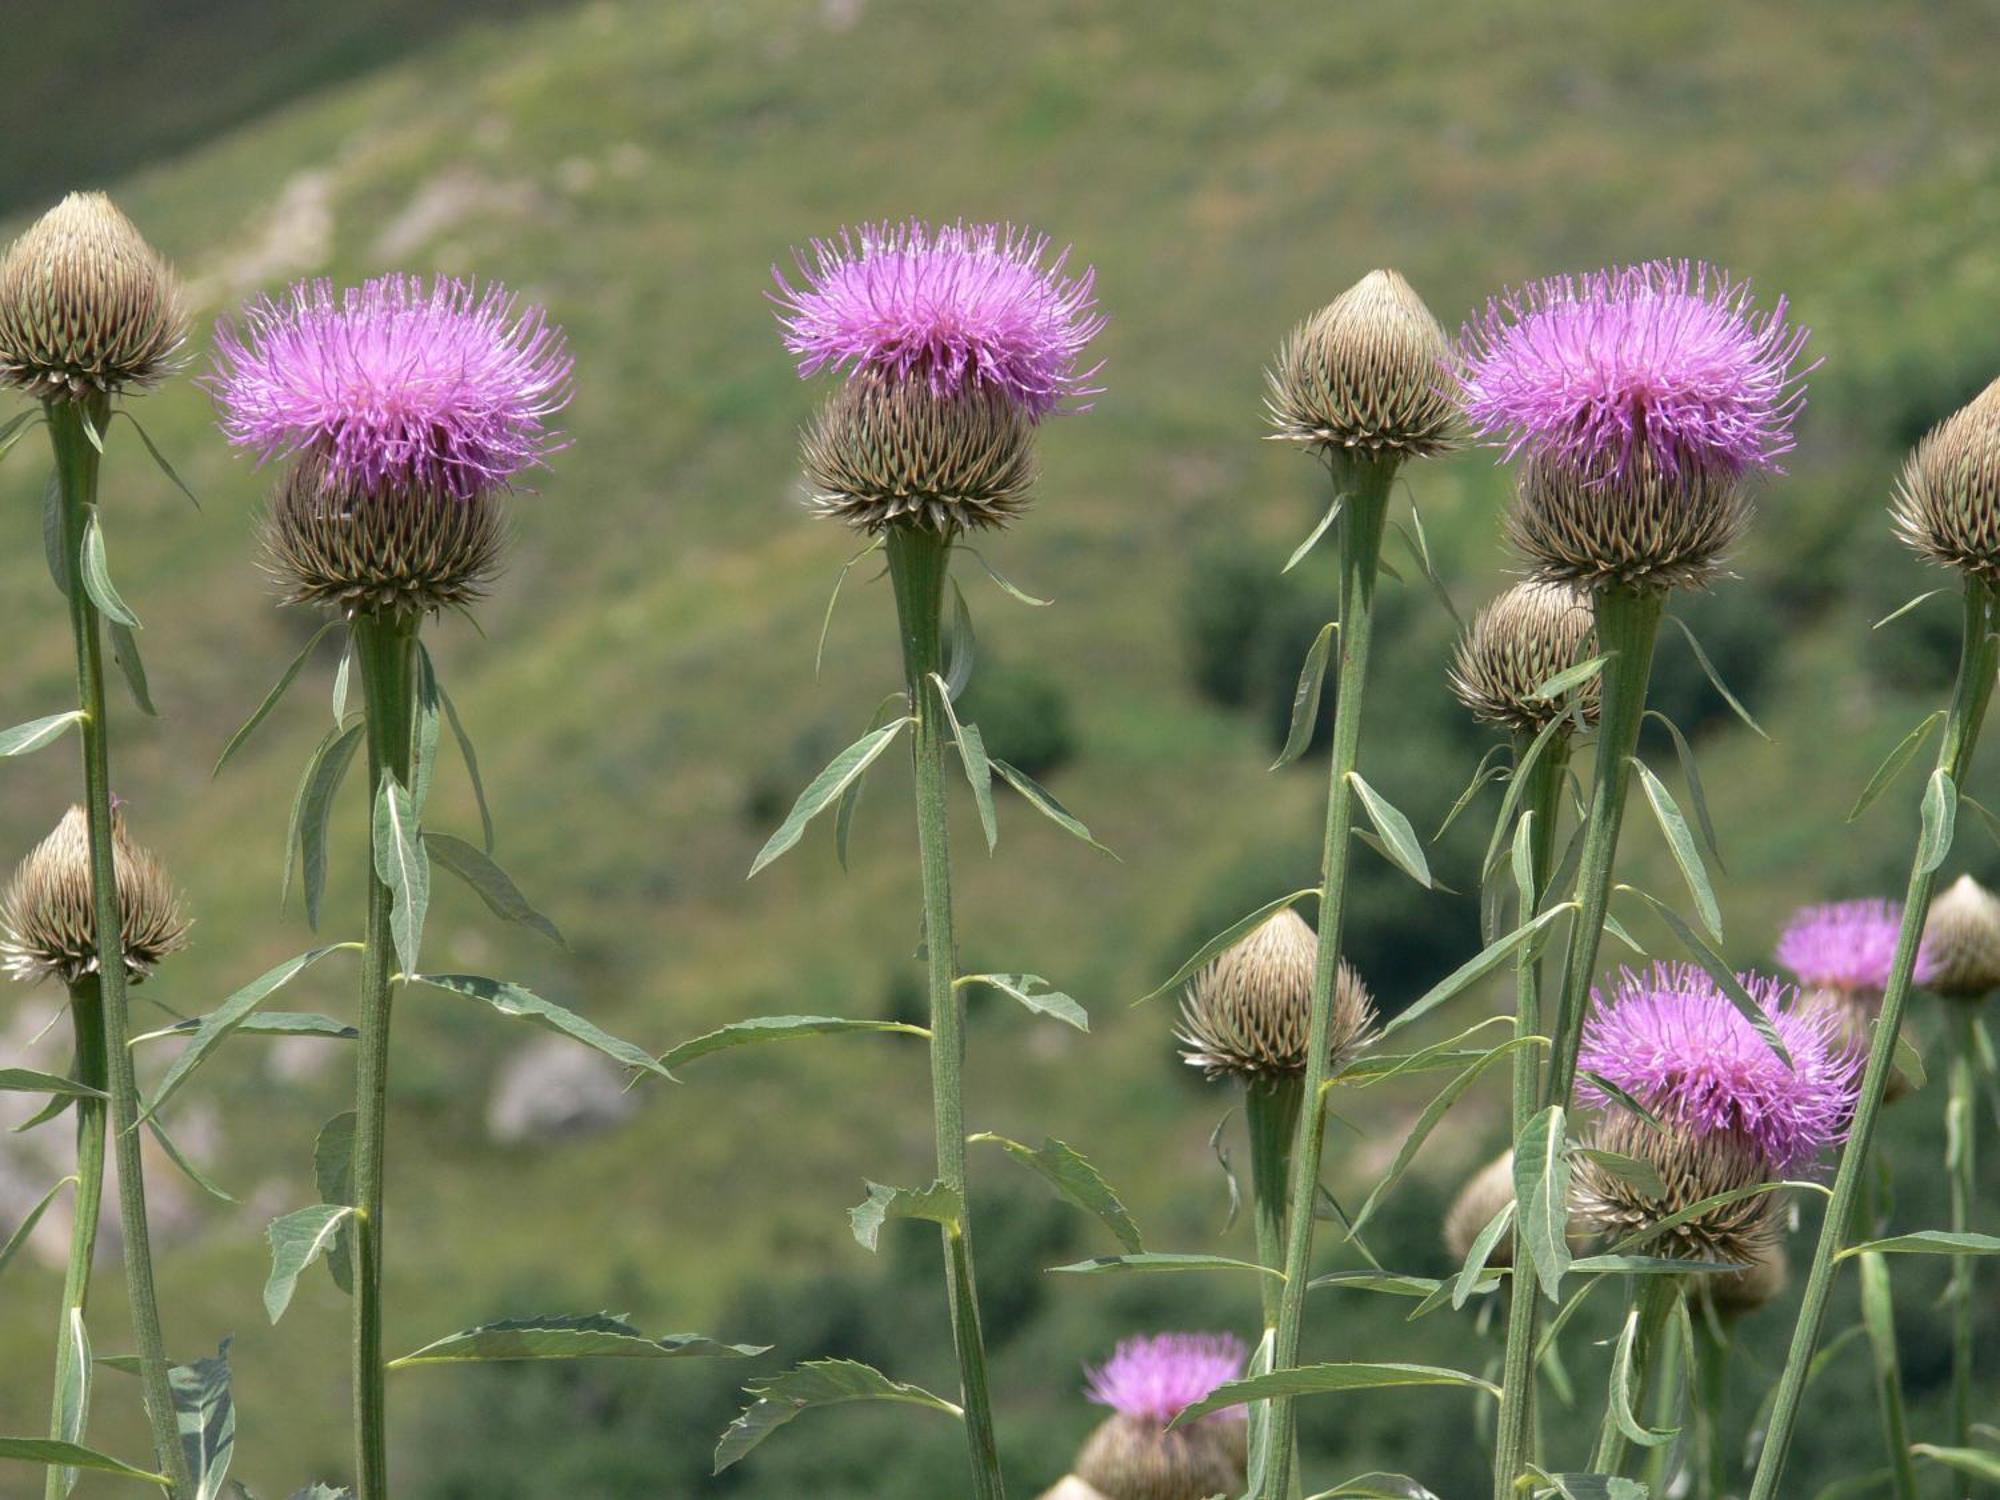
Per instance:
(643,687)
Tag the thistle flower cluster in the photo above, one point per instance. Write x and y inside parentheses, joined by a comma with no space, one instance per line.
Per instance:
(1367,373)
(956,341)
(1516,644)
(49,916)
(1962,942)
(1147,1382)
(1248,1014)
(1947,506)
(1841,955)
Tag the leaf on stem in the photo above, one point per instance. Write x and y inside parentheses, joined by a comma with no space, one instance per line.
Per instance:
(1623,1357)
(840,580)
(1892,766)
(1667,813)
(402,865)
(513,1000)
(1471,971)
(211,1030)
(35,1081)
(205,1416)
(1541,1187)
(1399,839)
(1928,1242)
(938,1203)
(34,734)
(1310,1380)
(1940,820)
(27,1225)
(568,1336)
(1325,524)
(819,1382)
(1077,1182)
(465,751)
(297,1240)
(1012,590)
(1715,678)
(1306,696)
(1225,939)
(845,768)
(97,576)
(776,1029)
(333,1176)
(272,698)
(1481,1251)
(1162,1260)
(1044,803)
(491,883)
(972,756)
(312,806)
(1725,978)
(51,1453)
(1032,991)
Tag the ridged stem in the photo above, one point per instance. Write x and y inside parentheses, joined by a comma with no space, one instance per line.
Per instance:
(76,469)
(919,564)
(385,648)
(1272,1112)
(1711,1403)
(1541,797)
(1961,1163)
(1365,485)
(86,1009)
(1972,690)
(1655,1304)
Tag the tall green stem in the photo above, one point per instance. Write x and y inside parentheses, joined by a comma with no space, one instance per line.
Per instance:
(919,563)
(86,1008)
(1365,485)
(1541,799)
(1655,1304)
(1961,1100)
(1879,1317)
(1978,654)
(1712,1339)
(1273,1114)
(76,469)
(1628,624)
(385,646)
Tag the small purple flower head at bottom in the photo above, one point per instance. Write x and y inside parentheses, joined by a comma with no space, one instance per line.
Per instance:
(1847,945)
(1156,1377)
(1677,1044)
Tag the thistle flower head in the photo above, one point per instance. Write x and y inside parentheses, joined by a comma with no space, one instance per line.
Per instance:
(1518,642)
(1646,529)
(1485,1193)
(1763,1279)
(399,383)
(883,451)
(1155,1377)
(1854,1013)
(1669,363)
(1845,945)
(86,305)
(961,308)
(1674,1041)
(1962,940)
(1691,1166)
(379,549)
(1947,506)
(1248,1013)
(1369,372)
(48,911)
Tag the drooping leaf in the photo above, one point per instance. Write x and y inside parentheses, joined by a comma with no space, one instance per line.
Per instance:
(159,459)
(1484,772)
(1928,1242)
(16,427)
(826,624)
(333,1177)
(424,738)
(845,769)
(1225,939)
(132,667)
(1712,964)
(1892,767)
(1310,1380)
(34,734)
(1691,773)
(73,1387)
(97,576)
(513,1000)
(937,1203)
(266,1023)
(1398,837)
(1680,842)
(297,1240)
(1471,971)
(961,645)
(205,1415)
(777,1029)
(1976,1463)
(1039,798)
(972,756)
(569,1336)
(1480,1252)
(401,865)
(1389,1283)
(1715,678)
(819,1382)
(1164,1260)
(1571,678)
(186,1164)
(1306,696)
(1376,1485)
(1032,991)
(311,810)
(1624,1355)
(28,1222)
(1420,549)
(466,753)
(1325,523)
(1012,590)
(52,1453)
(211,1030)
(1541,1187)
(894,705)
(1636,1170)
(1940,817)
(1074,1179)
(35,1081)
(490,883)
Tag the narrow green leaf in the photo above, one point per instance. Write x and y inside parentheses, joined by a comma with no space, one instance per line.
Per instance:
(50,1453)
(1405,850)
(961,647)
(1649,1265)
(1485,771)
(1032,991)
(1306,696)
(1623,1356)
(569,1336)
(1325,523)
(1389,1283)
(423,738)
(333,1177)
(1481,1251)
(35,1081)
(1928,1242)
(1377,1485)
(1420,549)
(271,699)
(97,576)
(1987,818)
(1078,1182)
(1620,1097)
(1680,842)
(265,1023)
(938,1204)
(312,805)
(55,545)
(1979,1463)
(175,479)
(186,1164)
(90,430)
(491,883)
(297,1240)
(1012,590)
(466,753)
(1516,783)
(1673,1221)
(132,667)
(777,1029)
(1596,1487)
(1691,774)
(16,428)
(1940,818)
(972,756)
(27,1225)
(1892,767)
(845,768)
(1715,678)
(819,1382)
(1571,678)
(1640,1173)
(894,705)
(1225,939)
(1541,1187)
(1039,798)
(1163,1260)
(401,865)
(840,580)
(213,1029)
(205,1415)
(1471,971)
(36,733)
(1309,1380)
(73,1392)
(513,1000)
(1725,978)
(343,674)
(1902,609)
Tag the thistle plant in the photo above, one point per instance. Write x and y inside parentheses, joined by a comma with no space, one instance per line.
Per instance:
(1947,508)
(48,915)
(1637,399)
(89,315)
(1147,1383)
(955,341)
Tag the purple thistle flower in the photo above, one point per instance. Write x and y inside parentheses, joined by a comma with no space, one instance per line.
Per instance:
(1675,1042)
(1157,1377)
(1668,359)
(1848,945)
(960,306)
(399,381)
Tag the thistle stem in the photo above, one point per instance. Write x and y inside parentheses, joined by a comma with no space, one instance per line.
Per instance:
(86,1008)
(385,646)
(1541,798)
(919,564)
(1978,654)
(1712,1340)
(76,470)
(1878,1315)
(1272,1112)
(1655,1307)
(1365,485)
(1961,1101)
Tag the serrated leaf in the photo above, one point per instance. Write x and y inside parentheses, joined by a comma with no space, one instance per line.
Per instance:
(1400,839)
(1039,798)
(1480,1252)
(1725,978)
(777,1029)
(845,768)
(1310,1380)
(333,1178)
(1163,1260)
(1541,1187)
(1940,818)
(569,1336)
(490,883)
(211,1030)
(205,1415)
(297,1240)
(820,1382)
(972,756)
(1892,766)
(1715,679)
(132,667)
(1226,939)
(1042,1001)
(51,1453)
(401,865)
(34,734)
(1470,972)
(1306,696)
(28,1222)
(1325,524)
(513,1000)
(97,576)
(1680,842)
(937,1204)
(1928,1242)
(35,1081)
(1075,1180)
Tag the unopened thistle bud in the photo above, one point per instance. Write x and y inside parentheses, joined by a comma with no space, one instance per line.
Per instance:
(1962,942)
(1691,1166)
(86,305)
(1248,1013)
(883,451)
(1489,1190)
(1645,527)
(1147,1382)
(390,548)
(50,917)
(1947,506)
(1369,373)
(1516,644)
(1763,1280)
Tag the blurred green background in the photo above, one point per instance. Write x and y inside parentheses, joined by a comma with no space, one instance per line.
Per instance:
(643,696)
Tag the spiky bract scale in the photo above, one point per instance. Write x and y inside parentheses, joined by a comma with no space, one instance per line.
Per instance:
(1517,643)
(1947,505)
(1248,1013)
(1692,1167)
(49,913)
(1134,1458)
(1368,373)
(1644,528)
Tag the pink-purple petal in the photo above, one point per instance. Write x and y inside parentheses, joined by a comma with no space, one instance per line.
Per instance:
(1156,1377)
